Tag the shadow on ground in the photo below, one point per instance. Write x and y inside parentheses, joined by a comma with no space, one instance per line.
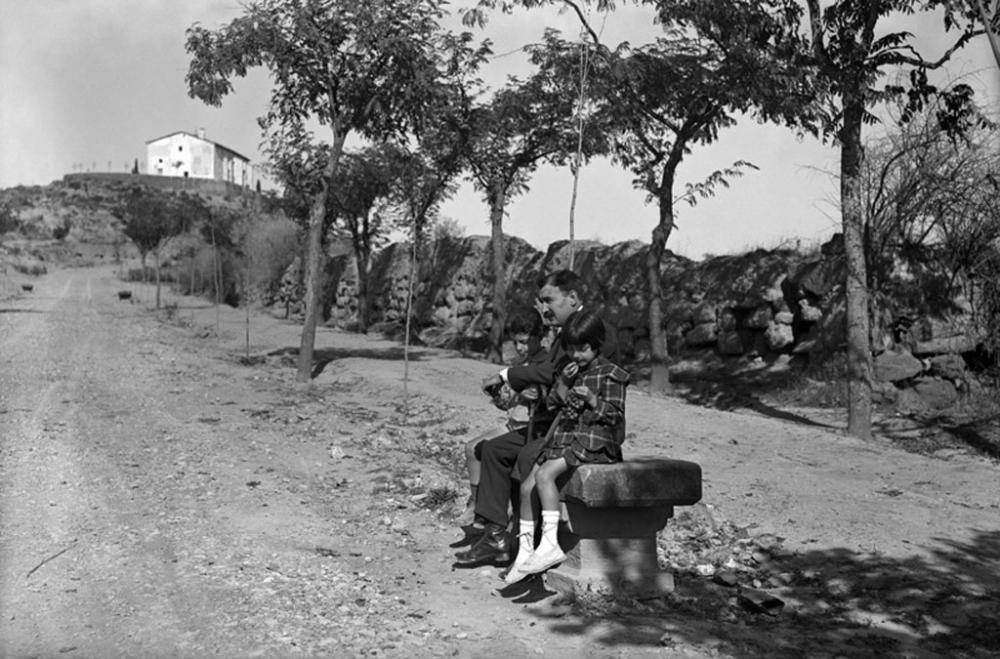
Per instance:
(928,435)
(323,357)
(724,389)
(983,435)
(837,603)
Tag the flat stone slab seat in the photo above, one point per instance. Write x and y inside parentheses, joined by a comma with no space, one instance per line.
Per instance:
(613,513)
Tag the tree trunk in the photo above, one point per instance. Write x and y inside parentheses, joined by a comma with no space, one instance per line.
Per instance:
(246,304)
(314,258)
(659,377)
(362,265)
(985,14)
(361,261)
(414,253)
(497,201)
(156,257)
(859,362)
(216,279)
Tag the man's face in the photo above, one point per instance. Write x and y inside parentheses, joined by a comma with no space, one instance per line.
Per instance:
(521,340)
(556,305)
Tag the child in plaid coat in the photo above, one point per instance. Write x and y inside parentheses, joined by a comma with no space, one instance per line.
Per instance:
(590,396)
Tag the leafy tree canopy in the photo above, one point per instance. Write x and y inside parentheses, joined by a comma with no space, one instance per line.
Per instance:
(151,217)
(526,123)
(352,66)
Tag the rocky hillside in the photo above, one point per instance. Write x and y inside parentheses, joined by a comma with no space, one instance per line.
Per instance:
(79,209)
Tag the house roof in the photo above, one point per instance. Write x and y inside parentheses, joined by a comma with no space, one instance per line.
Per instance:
(184,132)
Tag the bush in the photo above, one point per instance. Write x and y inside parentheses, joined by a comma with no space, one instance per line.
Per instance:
(61,231)
(989,306)
(9,221)
(137,274)
(149,275)
(196,275)
(33,269)
(269,246)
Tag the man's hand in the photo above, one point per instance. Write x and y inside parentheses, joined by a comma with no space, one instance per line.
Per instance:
(530,393)
(492,381)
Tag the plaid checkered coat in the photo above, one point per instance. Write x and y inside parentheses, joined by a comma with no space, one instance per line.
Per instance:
(583,434)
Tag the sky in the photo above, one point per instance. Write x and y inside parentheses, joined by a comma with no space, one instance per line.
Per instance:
(86,83)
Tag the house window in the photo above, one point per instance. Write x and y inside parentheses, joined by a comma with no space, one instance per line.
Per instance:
(180,148)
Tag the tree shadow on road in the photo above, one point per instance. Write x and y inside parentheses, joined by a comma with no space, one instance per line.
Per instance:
(838,602)
(726,391)
(325,356)
(929,435)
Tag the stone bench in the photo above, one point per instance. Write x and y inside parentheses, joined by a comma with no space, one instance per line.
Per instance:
(612,514)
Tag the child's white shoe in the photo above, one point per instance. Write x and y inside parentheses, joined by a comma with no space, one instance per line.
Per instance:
(542,560)
(516,571)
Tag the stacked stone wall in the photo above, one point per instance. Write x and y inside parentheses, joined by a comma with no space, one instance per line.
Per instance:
(756,305)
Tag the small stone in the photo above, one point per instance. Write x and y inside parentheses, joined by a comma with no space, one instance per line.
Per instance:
(726,578)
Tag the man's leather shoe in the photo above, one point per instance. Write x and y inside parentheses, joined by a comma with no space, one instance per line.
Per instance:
(493,548)
(471,534)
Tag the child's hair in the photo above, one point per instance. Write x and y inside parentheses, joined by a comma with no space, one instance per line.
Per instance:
(525,321)
(583,327)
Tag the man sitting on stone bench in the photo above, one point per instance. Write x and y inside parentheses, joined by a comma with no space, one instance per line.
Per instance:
(560,296)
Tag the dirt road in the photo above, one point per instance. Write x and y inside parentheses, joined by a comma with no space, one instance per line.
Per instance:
(162,498)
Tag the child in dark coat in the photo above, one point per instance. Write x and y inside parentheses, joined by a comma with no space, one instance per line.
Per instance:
(525,329)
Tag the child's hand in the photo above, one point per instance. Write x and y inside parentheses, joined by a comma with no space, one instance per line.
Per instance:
(570,370)
(584,393)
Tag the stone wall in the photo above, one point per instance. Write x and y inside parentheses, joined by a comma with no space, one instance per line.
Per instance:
(761,304)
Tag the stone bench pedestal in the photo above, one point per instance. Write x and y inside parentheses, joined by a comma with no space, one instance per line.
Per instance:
(613,513)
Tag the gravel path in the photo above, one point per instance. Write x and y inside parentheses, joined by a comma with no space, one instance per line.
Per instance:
(159,498)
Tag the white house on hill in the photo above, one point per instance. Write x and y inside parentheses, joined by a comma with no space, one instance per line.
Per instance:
(186,155)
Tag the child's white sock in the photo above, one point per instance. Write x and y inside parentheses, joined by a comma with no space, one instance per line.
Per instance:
(525,548)
(526,536)
(550,531)
(525,542)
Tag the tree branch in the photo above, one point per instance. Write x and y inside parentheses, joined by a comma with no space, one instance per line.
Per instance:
(583,21)
(816,29)
(918,60)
